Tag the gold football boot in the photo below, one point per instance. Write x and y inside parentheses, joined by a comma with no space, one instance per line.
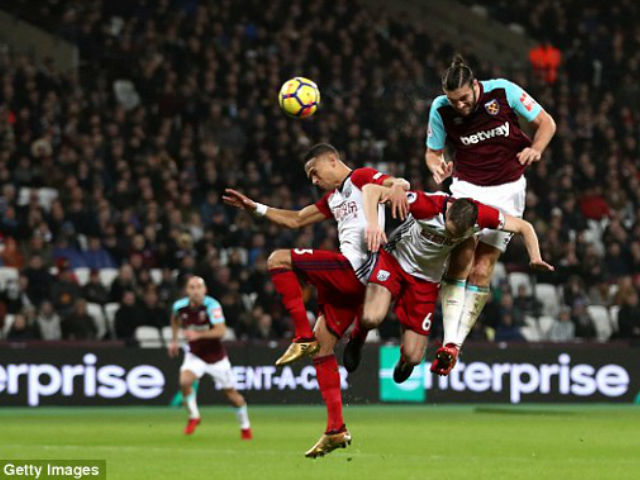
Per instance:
(298,350)
(328,443)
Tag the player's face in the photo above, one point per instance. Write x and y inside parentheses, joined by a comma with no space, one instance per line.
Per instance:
(463,99)
(321,171)
(196,290)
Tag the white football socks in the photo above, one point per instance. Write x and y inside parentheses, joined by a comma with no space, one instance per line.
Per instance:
(191,404)
(243,417)
(452,297)
(474,301)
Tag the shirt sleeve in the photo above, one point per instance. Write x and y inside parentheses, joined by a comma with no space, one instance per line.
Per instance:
(523,103)
(489,217)
(436,135)
(323,205)
(215,312)
(423,206)
(362,176)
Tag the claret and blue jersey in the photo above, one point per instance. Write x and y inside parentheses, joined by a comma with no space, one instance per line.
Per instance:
(201,317)
(486,141)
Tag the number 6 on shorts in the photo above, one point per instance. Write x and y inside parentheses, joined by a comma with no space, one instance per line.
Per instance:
(426,323)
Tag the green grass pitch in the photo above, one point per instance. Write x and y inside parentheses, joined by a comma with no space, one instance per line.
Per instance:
(403,442)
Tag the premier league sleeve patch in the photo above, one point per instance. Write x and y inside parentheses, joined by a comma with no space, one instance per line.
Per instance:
(492,107)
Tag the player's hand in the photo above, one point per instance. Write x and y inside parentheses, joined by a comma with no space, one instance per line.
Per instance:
(442,171)
(173,349)
(238,200)
(397,197)
(528,156)
(191,335)
(540,264)
(375,236)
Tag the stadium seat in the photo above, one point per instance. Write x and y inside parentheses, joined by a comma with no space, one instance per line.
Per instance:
(7,275)
(499,274)
(530,321)
(82,274)
(516,279)
(546,293)
(156,275)
(530,334)
(613,316)
(545,322)
(373,336)
(229,335)
(601,321)
(47,196)
(96,312)
(108,275)
(110,310)
(8,321)
(148,337)
(248,299)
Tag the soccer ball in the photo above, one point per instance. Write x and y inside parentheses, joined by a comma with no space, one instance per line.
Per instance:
(299,97)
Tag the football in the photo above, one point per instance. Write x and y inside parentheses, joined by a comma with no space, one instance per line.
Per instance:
(299,97)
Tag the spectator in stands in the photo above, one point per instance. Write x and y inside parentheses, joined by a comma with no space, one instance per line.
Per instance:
(94,291)
(152,313)
(527,304)
(168,289)
(516,316)
(262,326)
(48,322)
(584,326)
(562,329)
(96,256)
(78,324)
(65,291)
(127,317)
(39,280)
(21,330)
(629,317)
(15,295)
(125,281)
(11,255)
(507,331)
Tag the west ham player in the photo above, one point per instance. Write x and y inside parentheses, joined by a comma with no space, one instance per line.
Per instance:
(410,268)
(479,120)
(202,319)
(339,277)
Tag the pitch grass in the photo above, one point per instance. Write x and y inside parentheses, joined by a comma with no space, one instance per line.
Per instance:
(390,442)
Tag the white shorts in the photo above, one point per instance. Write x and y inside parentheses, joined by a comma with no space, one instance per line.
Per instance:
(509,198)
(220,371)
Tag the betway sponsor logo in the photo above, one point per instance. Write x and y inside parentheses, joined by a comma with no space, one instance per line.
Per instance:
(501,131)
(106,381)
(520,379)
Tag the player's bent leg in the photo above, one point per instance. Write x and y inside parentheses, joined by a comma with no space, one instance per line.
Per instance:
(286,283)
(477,289)
(452,289)
(376,306)
(242,414)
(328,376)
(187,377)
(411,352)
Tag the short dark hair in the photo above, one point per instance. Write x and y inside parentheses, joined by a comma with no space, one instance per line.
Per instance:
(463,213)
(320,149)
(457,75)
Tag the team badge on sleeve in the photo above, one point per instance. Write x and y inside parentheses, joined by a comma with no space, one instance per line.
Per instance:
(527,101)
(382,275)
(492,107)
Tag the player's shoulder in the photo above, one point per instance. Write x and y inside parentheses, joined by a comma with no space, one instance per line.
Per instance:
(211,302)
(498,84)
(426,204)
(180,303)
(439,102)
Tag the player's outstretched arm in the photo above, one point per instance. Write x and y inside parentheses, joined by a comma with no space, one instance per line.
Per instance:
(545,128)
(438,166)
(524,228)
(372,195)
(285,218)
(173,345)
(398,196)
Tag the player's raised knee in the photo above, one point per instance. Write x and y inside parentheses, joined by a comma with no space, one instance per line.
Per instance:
(370,321)
(279,259)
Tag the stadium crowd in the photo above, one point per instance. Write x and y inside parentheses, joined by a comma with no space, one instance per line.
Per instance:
(122,164)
